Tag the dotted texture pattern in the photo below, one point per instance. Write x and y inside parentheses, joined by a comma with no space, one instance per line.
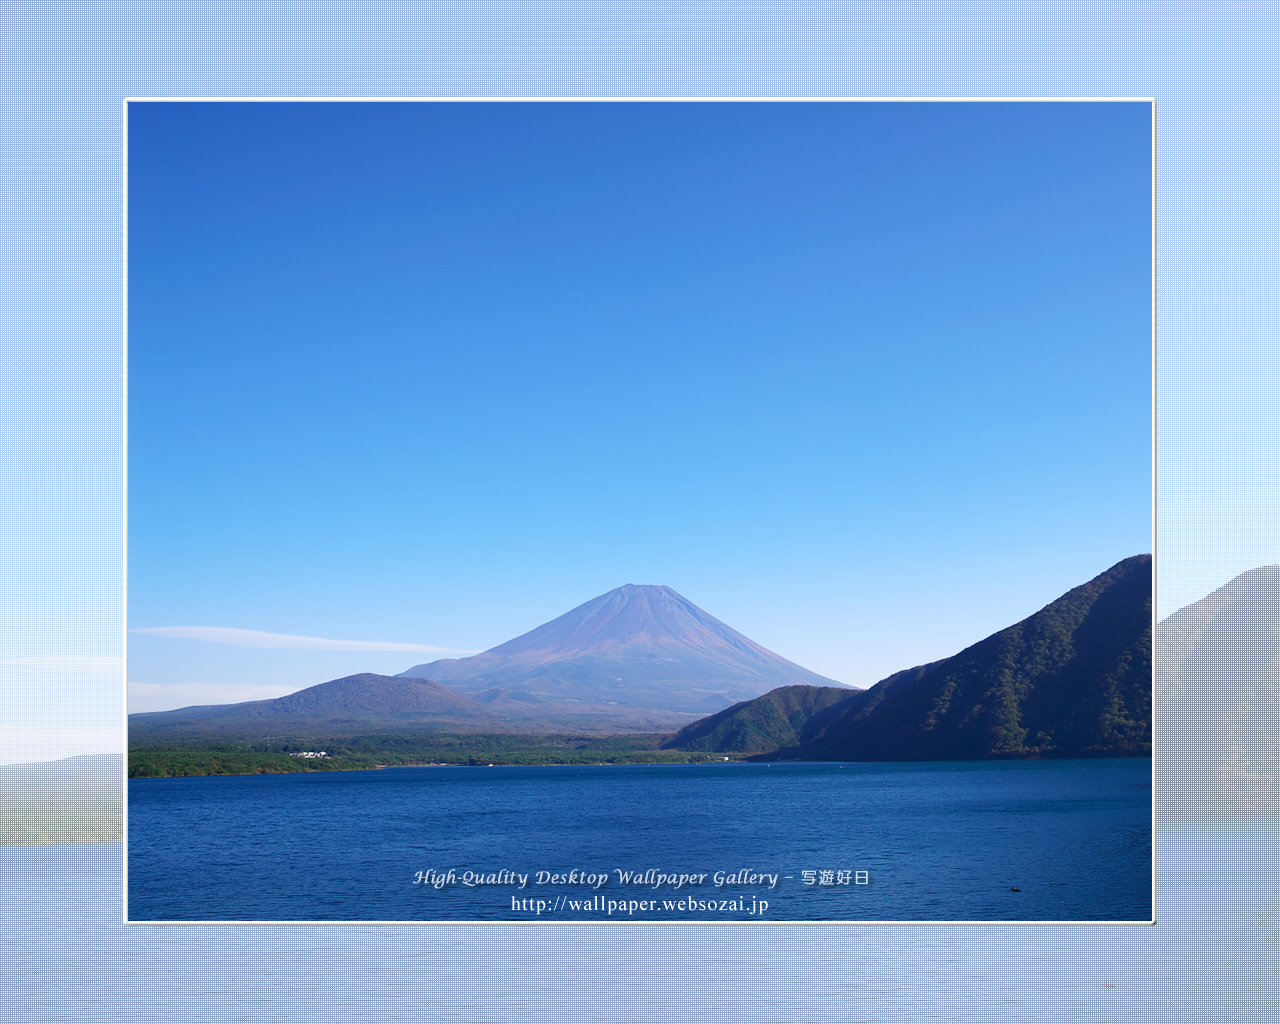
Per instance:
(65,70)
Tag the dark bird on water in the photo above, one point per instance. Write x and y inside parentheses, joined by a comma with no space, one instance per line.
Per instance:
(1012,889)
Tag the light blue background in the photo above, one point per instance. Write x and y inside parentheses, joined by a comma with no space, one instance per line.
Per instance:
(65,71)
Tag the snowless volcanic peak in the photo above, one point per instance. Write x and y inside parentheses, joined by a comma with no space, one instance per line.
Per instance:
(633,616)
(642,646)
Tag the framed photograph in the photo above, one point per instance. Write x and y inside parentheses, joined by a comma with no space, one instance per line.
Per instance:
(681,512)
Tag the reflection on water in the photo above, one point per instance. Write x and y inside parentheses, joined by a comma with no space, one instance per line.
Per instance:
(67,956)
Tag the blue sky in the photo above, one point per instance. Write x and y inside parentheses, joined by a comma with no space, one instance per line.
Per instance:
(866,381)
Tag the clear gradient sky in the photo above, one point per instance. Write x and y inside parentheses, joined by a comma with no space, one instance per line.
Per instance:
(866,381)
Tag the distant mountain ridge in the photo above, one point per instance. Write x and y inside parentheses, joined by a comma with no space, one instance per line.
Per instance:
(636,646)
(365,699)
(1072,680)
(1217,675)
(638,659)
(1218,670)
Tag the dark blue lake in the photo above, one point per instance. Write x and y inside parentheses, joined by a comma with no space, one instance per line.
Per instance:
(932,841)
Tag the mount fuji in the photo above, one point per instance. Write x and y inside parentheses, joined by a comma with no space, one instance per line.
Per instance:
(636,647)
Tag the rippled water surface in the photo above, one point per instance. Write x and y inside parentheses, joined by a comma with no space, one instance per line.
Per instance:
(961,841)
(65,955)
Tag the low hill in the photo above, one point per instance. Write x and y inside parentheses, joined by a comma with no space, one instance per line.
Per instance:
(365,700)
(768,723)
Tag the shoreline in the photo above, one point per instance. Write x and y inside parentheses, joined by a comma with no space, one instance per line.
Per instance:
(722,760)
(454,764)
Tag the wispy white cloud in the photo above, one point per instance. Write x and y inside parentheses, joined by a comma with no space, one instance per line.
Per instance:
(255,638)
